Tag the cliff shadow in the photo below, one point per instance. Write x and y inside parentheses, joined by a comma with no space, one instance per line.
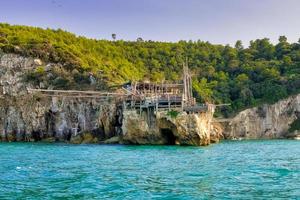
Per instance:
(168,136)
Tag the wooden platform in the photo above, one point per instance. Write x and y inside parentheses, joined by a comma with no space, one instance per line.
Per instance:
(140,95)
(104,96)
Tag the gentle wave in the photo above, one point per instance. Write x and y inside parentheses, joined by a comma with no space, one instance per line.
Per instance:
(229,170)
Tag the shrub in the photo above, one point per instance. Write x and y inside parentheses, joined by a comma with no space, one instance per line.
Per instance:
(295,125)
(173,113)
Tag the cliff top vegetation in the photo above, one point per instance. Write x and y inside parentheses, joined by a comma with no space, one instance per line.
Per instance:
(244,77)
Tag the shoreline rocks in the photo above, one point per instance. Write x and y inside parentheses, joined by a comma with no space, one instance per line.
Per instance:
(160,128)
(266,121)
(33,117)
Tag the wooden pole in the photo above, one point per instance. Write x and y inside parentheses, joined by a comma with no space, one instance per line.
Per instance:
(169,103)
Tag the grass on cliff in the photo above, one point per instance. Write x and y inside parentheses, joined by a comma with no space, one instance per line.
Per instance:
(173,113)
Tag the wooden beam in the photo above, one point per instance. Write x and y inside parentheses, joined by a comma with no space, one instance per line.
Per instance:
(74,91)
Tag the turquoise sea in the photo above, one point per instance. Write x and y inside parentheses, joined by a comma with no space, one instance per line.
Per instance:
(267,169)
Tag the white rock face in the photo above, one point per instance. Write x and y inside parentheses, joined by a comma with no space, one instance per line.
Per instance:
(184,129)
(12,67)
(37,62)
(267,121)
(27,117)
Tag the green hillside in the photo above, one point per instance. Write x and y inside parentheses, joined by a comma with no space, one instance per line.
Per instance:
(241,76)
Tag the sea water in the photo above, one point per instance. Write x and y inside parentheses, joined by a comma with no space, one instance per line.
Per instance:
(268,169)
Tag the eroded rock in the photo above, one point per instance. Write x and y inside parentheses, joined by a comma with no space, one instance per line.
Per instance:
(184,129)
(267,121)
(33,117)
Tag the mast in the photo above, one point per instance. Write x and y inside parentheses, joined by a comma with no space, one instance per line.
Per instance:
(187,82)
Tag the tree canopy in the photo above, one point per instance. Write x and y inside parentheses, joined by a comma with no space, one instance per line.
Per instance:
(244,77)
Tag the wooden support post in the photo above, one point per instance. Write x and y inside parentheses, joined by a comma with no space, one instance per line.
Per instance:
(182,102)
(156,105)
(148,116)
(140,107)
(169,103)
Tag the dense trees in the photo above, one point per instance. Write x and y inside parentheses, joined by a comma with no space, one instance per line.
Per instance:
(244,77)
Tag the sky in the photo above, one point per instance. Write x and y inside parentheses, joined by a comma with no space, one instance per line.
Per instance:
(216,21)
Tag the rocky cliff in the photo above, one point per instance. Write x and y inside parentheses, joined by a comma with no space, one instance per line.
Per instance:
(267,121)
(163,128)
(34,117)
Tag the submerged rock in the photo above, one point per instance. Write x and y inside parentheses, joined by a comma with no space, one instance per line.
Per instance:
(49,140)
(112,140)
(294,135)
(85,138)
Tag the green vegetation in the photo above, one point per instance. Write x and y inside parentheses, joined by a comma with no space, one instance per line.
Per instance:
(295,125)
(173,113)
(244,77)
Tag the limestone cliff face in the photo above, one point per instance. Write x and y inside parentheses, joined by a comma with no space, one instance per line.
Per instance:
(26,118)
(34,117)
(160,128)
(267,121)
(31,117)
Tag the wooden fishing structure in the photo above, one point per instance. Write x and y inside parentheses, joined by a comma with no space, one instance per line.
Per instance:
(97,95)
(141,96)
(163,96)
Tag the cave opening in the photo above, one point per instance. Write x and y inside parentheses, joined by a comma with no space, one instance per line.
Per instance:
(36,136)
(169,136)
